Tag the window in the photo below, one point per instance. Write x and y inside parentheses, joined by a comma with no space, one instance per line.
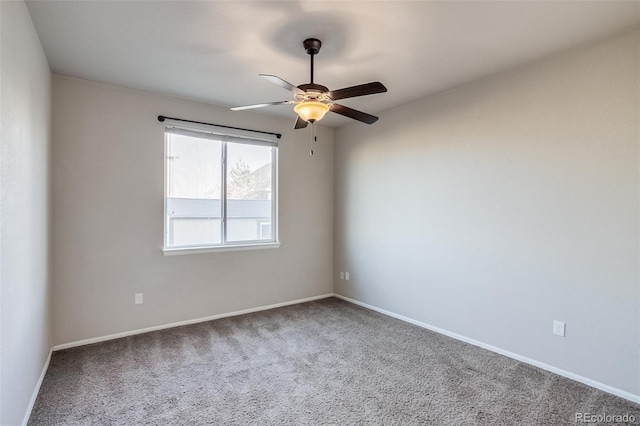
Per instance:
(220,190)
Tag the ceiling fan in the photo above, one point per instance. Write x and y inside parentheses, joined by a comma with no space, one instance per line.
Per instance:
(313,101)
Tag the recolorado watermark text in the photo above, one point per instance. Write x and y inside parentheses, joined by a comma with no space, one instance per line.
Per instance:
(604,418)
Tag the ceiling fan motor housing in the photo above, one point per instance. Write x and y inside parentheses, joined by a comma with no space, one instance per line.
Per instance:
(313,92)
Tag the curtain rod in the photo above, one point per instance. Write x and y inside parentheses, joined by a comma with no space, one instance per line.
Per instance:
(163,117)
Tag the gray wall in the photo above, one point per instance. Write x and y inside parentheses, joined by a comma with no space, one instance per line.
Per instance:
(108,218)
(25,104)
(494,208)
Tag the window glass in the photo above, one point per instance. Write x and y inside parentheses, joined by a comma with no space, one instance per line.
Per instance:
(249,192)
(208,175)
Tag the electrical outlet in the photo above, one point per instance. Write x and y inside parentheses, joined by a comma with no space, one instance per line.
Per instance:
(341,275)
(138,299)
(559,328)
(346,276)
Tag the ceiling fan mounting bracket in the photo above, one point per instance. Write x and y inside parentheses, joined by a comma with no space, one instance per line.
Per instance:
(312,46)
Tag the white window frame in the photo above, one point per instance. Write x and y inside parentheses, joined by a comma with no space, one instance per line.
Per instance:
(225,138)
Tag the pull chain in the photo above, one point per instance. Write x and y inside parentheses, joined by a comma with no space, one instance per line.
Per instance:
(314,138)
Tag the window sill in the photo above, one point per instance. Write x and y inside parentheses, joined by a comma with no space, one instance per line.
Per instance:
(199,250)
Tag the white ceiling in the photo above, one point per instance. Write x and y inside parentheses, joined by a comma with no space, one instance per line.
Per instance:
(214,50)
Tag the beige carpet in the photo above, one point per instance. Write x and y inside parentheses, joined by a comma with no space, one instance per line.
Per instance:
(320,363)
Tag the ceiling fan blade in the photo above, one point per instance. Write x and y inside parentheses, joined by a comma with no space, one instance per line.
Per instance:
(354,113)
(282,83)
(300,123)
(240,108)
(355,91)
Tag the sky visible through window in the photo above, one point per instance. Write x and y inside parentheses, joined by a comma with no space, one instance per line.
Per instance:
(195,168)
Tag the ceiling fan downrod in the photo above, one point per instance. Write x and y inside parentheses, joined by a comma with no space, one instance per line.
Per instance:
(312,47)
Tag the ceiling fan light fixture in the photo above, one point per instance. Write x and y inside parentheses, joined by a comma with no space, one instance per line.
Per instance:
(311,111)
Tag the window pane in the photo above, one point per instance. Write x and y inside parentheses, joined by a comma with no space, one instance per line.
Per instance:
(194,185)
(249,192)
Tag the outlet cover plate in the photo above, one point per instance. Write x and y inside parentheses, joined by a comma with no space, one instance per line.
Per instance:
(559,328)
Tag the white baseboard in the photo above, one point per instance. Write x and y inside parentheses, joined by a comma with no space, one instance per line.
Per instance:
(526,360)
(36,390)
(187,322)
